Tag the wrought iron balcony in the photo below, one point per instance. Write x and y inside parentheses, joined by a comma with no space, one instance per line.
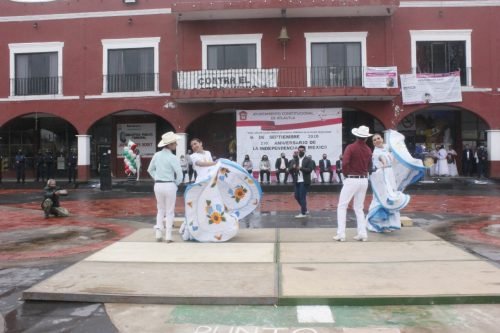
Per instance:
(283,77)
(130,82)
(37,85)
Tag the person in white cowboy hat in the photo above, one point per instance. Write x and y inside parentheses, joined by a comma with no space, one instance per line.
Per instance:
(165,169)
(356,163)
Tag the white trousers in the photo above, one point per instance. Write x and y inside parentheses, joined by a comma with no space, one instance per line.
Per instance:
(166,194)
(353,188)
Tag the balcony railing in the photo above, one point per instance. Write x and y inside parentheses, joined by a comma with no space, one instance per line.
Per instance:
(130,82)
(283,77)
(37,86)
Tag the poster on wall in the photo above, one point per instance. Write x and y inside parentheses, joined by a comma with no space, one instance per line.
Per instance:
(272,132)
(431,88)
(381,77)
(143,134)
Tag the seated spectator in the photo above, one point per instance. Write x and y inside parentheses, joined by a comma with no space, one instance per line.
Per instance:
(325,166)
(50,203)
(265,168)
(247,164)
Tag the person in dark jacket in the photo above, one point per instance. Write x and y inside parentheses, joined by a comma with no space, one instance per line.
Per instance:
(325,166)
(281,166)
(20,166)
(301,167)
(72,164)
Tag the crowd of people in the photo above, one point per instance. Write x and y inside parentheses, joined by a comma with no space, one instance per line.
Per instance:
(442,160)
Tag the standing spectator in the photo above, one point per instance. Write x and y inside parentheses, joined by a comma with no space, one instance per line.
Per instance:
(40,166)
(20,161)
(184,167)
(301,167)
(356,165)
(442,163)
(72,164)
(265,168)
(451,158)
(338,168)
(482,159)
(325,166)
(49,164)
(50,203)
(467,161)
(191,171)
(166,171)
(281,166)
(247,164)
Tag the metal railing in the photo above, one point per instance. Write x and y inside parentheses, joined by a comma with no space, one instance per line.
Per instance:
(131,82)
(282,77)
(37,86)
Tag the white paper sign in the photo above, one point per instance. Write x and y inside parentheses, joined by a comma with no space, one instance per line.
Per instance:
(431,88)
(143,134)
(381,77)
(272,132)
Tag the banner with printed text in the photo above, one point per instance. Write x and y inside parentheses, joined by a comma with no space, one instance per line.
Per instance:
(431,88)
(381,77)
(143,134)
(272,132)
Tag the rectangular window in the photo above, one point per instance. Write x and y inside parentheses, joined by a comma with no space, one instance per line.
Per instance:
(336,64)
(131,70)
(36,74)
(442,57)
(232,56)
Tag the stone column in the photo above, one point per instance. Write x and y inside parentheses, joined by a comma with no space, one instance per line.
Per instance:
(83,157)
(181,144)
(493,148)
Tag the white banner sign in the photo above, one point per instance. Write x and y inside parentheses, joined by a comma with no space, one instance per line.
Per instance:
(381,77)
(228,78)
(144,134)
(431,88)
(272,132)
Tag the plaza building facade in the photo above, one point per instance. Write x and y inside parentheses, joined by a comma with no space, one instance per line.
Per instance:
(94,74)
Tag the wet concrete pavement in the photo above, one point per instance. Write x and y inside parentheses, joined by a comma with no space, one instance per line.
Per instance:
(33,248)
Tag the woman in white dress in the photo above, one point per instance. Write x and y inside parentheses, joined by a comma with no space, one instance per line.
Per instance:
(223,194)
(442,163)
(383,214)
(452,162)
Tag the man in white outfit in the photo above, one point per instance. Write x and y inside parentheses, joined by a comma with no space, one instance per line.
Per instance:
(356,163)
(166,171)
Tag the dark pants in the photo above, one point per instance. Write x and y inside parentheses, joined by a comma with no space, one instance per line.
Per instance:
(467,168)
(280,171)
(481,169)
(339,174)
(20,173)
(71,174)
(301,190)
(184,172)
(50,171)
(191,173)
(330,172)
(40,173)
(264,172)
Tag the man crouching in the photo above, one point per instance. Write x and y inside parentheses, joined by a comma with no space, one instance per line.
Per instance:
(50,203)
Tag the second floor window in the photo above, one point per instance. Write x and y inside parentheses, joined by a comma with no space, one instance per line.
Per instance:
(131,70)
(442,57)
(36,74)
(336,64)
(231,56)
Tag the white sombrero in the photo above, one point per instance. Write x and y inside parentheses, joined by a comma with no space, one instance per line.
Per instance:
(361,132)
(168,138)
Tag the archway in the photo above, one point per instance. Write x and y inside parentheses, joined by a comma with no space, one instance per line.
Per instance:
(112,133)
(37,133)
(216,130)
(444,125)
